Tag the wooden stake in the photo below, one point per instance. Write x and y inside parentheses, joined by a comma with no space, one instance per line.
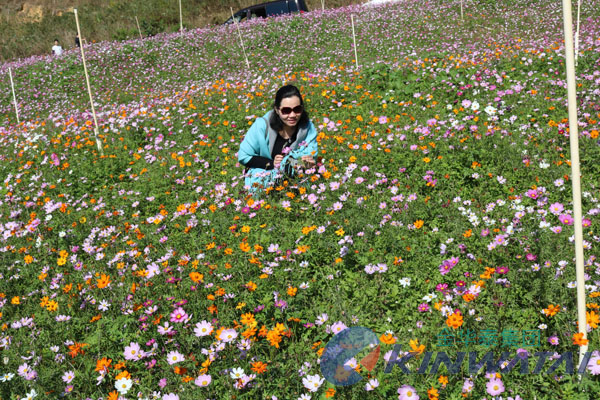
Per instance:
(577,32)
(322,5)
(87,81)
(354,40)
(12,85)
(575,174)
(241,41)
(138,26)
(180,18)
(462,17)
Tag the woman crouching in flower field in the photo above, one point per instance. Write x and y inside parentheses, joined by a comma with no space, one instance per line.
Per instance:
(276,143)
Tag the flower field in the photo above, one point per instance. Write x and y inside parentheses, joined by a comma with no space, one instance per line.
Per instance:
(439,214)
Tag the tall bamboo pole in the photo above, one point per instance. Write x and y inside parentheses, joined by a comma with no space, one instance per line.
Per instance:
(138,26)
(87,81)
(12,85)
(240,35)
(354,40)
(575,173)
(180,18)
(577,32)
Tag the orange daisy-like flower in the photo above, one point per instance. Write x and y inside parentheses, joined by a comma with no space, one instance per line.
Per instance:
(387,339)
(196,277)
(259,367)
(455,320)
(579,340)
(433,394)
(103,282)
(552,310)
(330,392)
(103,364)
(416,347)
(592,319)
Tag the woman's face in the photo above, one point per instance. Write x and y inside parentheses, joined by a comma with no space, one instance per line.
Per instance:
(290,110)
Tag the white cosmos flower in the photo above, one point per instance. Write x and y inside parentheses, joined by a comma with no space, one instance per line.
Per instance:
(123,385)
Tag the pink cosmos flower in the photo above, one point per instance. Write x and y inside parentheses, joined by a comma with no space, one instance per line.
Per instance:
(173,357)
(133,352)
(407,392)
(203,380)
(338,327)
(565,219)
(594,365)
(179,315)
(494,387)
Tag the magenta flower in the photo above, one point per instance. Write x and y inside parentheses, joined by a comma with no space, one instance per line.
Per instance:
(565,219)
(423,307)
(179,315)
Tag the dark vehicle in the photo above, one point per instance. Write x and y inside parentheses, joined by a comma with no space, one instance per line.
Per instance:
(270,9)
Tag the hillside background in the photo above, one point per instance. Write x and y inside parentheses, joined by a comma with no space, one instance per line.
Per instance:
(29,27)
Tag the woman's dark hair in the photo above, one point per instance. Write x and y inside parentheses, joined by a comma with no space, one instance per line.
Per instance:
(283,93)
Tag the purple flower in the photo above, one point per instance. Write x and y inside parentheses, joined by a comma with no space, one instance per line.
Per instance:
(281,304)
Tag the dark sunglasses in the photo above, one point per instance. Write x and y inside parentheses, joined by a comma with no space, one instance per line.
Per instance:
(288,110)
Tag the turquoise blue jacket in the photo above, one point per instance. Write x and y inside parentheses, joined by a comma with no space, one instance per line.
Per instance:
(259,141)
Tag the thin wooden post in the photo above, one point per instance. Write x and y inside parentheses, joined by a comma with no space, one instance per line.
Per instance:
(180,18)
(577,32)
(462,17)
(87,81)
(322,5)
(138,26)
(354,40)
(240,35)
(575,173)
(12,85)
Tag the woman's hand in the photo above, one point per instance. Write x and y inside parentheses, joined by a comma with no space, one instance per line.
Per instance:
(308,161)
(277,160)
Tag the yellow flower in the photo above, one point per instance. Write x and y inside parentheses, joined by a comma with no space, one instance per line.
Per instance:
(15,300)
(419,223)
(340,232)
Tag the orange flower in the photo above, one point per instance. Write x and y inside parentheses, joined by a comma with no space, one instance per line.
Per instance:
(387,339)
(330,392)
(123,374)
(248,319)
(443,380)
(274,338)
(579,340)
(251,286)
(103,364)
(179,370)
(259,367)
(592,319)
(103,282)
(291,291)
(433,394)
(245,247)
(416,347)
(196,277)
(455,320)
(419,223)
(551,310)
(114,395)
